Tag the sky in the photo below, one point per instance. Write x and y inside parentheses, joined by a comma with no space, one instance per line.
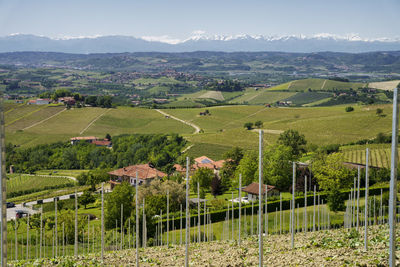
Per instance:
(174,20)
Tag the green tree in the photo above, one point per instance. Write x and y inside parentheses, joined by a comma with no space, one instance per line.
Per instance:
(176,191)
(293,139)
(248,167)
(122,194)
(332,176)
(216,187)
(86,198)
(258,124)
(248,125)
(227,172)
(349,109)
(278,166)
(203,176)
(95,177)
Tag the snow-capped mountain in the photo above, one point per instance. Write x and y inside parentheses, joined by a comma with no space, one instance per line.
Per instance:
(197,42)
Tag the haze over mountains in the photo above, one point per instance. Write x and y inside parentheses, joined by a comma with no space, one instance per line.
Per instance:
(119,44)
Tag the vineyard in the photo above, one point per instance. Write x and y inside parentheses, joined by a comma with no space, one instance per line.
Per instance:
(379,155)
(24,184)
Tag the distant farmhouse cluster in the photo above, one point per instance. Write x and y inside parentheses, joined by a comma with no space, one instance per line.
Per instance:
(92,140)
(46,101)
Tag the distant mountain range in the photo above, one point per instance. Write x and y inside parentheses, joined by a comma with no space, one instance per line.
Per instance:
(120,44)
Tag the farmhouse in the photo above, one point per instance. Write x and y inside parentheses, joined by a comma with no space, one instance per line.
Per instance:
(105,143)
(67,100)
(89,139)
(39,101)
(253,193)
(202,162)
(145,174)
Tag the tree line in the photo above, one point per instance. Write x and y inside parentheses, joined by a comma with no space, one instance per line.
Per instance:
(159,149)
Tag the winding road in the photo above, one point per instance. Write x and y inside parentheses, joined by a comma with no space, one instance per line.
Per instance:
(197,128)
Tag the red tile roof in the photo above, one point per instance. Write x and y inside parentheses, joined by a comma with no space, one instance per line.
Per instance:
(202,162)
(203,159)
(102,143)
(84,138)
(145,171)
(253,188)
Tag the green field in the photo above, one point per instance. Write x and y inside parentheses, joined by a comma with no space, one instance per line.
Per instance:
(76,122)
(22,183)
(317,85)
(222,129)
(379,154)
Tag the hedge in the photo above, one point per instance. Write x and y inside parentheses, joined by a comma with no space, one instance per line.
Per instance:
(218,216)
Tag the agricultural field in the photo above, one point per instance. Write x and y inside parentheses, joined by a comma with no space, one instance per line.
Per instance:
(23,128)
(32,183)
(303,98)
(262,96)
(379,155)
(317,85)
(31,125)
(339,247)
(320,125)
(388,85)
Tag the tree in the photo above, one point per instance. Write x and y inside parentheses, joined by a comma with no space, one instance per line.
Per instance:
(248,167)
(258,124)
(349,109)
(216,188)
(203,176)
(248,125)
(108,137)
(122,194)
(379,111)
(95,177)
(86,198)
(176,191)
(293,139)
(278,166)
(332,176)
(227,172)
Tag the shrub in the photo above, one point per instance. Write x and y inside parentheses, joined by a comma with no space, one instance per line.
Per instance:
(349,109)
(248,125)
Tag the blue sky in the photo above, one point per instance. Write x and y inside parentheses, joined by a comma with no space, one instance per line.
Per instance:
(178,19)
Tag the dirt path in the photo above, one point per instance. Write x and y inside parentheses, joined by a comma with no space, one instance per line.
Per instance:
(93,121)
(186,149)
(37,123)
(197,128)
(323,85)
